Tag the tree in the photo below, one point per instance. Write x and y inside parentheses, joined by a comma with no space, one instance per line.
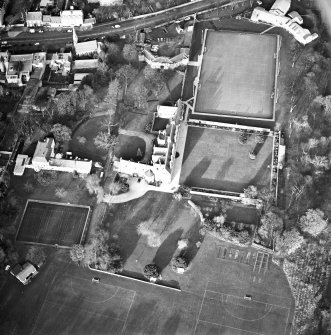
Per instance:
(151,271)
(92,183)
(36,255)
(289,242)
(154,80)
(61,133)
(138,96)
(130,53)
(243,137)
(81,139)
(125,75)
(28,187)
(251,192)
(260,138)
(45,177)
(112,94)
(180,262)
(313,222)
(271,226)
(66,103)
(105,141)
(60,192)
(77,254)
(4,182)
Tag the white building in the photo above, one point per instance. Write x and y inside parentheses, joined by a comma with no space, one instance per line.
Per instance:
(34,19)
(78,77)
(72,18)
(80,64)
(44,3)
(280,7)
(87,48)
(290,24)
(44,158)
(161,62)
(107,2)
(52,21)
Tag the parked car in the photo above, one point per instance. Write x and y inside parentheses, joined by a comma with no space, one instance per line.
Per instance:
(69,31)
(40,31)
(117,26)
(32,31)
(37,43)
(4,42)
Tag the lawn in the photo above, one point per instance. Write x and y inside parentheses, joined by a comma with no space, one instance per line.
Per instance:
(169,219)
(237,75)
(88,129)
(129,146)
(53,223)
(214,159)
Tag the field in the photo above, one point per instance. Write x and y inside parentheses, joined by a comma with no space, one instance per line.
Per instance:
(52,223)
(237,75)
(214,159)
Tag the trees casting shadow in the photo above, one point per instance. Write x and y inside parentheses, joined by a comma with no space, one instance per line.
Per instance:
(167,249)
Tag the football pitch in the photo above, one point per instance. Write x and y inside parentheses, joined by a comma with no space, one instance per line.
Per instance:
(214,159)
(237,76)
(53,223)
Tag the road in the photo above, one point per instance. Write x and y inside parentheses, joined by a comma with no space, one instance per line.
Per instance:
(127,26)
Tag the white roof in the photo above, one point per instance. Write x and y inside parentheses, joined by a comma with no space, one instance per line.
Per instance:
(79,76)
(44,149)
(72,13)
(34,16)
(81,166)
(166,112)
(86,47)
(27,270)
(20,164)
(85,64)
(280,7)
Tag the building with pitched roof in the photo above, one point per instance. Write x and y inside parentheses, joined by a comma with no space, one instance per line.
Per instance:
(52,21)
(34,19)
(87,48)
(72,18)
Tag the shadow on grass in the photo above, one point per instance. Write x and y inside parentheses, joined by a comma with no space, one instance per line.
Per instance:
(193,236)
(128,234)
(171,325)
(167,249)
(195,176)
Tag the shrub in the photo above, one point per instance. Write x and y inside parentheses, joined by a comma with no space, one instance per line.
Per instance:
(45,177)
(151,271)
(36,255)
(153,238)
(180,262)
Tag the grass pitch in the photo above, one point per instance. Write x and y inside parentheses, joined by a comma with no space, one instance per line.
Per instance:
(214,159)
(52,223)
(238,75)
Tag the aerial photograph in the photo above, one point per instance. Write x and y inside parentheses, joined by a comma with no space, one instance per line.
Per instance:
(165,167)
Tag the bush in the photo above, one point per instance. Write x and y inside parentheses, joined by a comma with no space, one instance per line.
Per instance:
(180,262)
(36,255)
(151,271)
(46,178)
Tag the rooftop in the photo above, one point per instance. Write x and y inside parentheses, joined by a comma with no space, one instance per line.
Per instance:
(86,47)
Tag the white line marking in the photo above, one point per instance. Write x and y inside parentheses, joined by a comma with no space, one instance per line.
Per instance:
(220,325)
(127,316)
(196,324)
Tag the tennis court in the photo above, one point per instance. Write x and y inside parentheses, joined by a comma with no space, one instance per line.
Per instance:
(53,223)
(214,159)
(237,75)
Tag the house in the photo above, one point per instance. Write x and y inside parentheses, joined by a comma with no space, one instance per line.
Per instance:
(60,62)
(19,69)
(34,19)
(276,17)
(24,273)
(45,3)
(80,64)
(78,77)
(87,48)
(72,18)
(44,158)
(107,2)
(161,62)
(52,21)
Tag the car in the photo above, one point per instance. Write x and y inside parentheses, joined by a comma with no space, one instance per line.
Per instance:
(4,42)
(40,31)
(248,297)
(95,280)
(69,31)
(37,43)
(117,26)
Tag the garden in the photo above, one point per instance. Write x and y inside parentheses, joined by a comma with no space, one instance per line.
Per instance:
(130,147)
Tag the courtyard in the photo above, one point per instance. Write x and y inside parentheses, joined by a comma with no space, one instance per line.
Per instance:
(214,159)
(237,76)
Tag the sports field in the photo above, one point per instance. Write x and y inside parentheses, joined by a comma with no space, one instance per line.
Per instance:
(52,223)
(214,159)
(237,75)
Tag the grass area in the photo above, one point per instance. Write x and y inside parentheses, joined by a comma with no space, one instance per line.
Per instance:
(50,223)
(214,159)
(237,75)
(169,219)
(238,213)
(129,146)
(89,130)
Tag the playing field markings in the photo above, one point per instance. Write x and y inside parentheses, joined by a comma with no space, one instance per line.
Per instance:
(267,305)
(127,315)
(198,317)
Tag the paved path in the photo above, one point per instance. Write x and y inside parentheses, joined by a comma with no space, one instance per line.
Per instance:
(148,138)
